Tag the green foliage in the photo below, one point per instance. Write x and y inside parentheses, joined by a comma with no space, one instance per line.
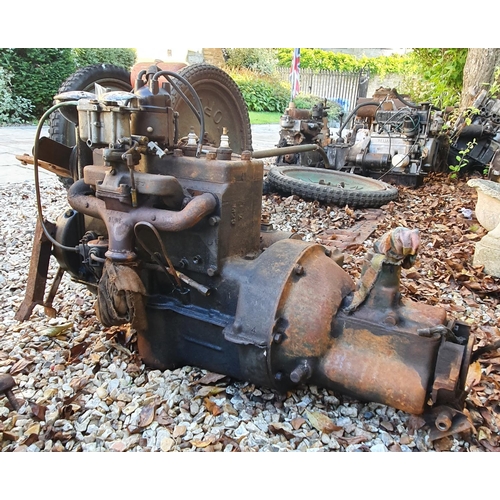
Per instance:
(261,61)
(462,160)
(494,89)
(317,59)
(36,74)
(436,75)
(262,93)
(307,101)
(469,113)
(119,57)
(13,109)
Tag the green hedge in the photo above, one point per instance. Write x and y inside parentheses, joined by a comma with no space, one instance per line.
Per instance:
(262,93)
(35,75)
(317,59)
(119,57)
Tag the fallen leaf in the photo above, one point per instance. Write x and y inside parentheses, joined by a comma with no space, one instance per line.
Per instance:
(212,407)
(32,429)
(147,415)
(203,443)
(321,422)
(225,440)
(55,331)
(209,391)
(489,446)
(209,378)
(66,411)
(19,366)
(163,419)
(473,375)
(77,350)
(228,408)
(79,383)
(443,444)
(279,428)
(346,441)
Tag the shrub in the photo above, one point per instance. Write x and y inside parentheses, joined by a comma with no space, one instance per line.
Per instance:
(307,101)
(262,93)
(317,59)
(36,74)
(13,109)
(262,61)
(119,57)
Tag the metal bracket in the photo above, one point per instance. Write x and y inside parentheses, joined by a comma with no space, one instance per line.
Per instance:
(37,275)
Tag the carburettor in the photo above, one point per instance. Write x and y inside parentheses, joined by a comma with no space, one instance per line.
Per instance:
(167,231)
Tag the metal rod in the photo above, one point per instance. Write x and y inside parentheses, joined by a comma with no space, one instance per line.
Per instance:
(301,148)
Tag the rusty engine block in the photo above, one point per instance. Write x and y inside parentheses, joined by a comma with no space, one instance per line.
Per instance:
(167,231)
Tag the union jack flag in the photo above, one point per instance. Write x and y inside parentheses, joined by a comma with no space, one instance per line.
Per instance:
(294,73)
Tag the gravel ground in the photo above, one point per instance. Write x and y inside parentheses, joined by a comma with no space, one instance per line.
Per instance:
(86,390)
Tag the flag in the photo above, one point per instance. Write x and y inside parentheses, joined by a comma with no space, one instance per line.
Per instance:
(294,73)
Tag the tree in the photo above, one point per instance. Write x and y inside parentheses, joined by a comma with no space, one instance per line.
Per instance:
(479,70)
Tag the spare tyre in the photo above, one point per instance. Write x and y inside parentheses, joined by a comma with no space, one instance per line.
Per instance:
(331,186)
(223,106)
(108,75)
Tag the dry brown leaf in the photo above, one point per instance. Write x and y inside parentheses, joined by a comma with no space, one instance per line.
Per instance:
(163,419)
(490,447)
(346,441)
(279,428)
(209,378)
(77,351)
(209,391)
(19,366)
(225,440)
(473,375)
(204,442)
(443,444)
(212,407)
(228,408)
(147,415)
(79,383)
(321,422)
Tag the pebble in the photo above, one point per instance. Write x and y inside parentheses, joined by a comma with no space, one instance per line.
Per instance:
(105,413)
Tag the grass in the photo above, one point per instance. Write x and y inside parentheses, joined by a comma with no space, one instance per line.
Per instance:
(263,118)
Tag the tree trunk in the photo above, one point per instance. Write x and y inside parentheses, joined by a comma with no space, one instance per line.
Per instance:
(479,69)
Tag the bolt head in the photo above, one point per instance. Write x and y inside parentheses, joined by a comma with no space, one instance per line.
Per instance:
(298,269)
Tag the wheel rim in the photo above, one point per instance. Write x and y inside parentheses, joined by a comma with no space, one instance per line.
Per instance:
(330,178)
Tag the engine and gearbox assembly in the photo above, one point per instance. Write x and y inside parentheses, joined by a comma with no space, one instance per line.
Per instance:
(166,228)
